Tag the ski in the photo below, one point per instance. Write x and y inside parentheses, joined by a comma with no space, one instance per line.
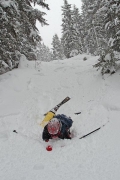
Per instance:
(64,101)
(60,104)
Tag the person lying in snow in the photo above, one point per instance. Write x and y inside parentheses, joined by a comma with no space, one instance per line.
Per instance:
(58,126)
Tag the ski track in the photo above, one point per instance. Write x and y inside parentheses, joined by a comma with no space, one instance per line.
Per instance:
(70,159)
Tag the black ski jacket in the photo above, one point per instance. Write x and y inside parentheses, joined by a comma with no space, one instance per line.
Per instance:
(64,132)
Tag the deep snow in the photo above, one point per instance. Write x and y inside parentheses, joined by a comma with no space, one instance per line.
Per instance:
(27,93)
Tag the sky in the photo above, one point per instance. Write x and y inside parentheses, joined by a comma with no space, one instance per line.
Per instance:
(54,19)
(27,93)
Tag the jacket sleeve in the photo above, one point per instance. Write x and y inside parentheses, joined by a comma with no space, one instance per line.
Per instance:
(45,134)
(67,135)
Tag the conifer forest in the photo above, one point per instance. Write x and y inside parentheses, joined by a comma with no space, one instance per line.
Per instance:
(95,30)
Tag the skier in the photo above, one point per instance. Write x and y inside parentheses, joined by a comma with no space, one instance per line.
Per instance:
(58,126)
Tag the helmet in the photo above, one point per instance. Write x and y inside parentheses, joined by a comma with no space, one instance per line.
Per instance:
(54,126)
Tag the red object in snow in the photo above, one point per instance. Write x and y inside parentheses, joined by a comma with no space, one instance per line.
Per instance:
(49,148)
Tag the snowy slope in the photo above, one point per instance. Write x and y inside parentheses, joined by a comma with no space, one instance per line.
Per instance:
(27,93)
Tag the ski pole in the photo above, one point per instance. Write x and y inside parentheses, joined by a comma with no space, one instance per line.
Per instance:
(90,133)
(94,130)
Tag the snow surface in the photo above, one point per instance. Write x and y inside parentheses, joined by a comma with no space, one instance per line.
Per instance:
(27,93)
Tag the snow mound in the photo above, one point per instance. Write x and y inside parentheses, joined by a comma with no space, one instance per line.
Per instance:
(24,63)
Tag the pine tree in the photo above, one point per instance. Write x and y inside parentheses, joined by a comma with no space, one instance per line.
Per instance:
(18,32)
(67,29)
(91,39)
(108,60)
(44,53)
(76,36)
(112,23)
(7,35)
(57,48)
(101,33)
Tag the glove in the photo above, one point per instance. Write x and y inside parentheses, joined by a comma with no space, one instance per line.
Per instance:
(46,140)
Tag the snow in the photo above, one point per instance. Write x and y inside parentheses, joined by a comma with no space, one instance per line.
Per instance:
(33,33)
(27,93)
(6,3)
(9,3)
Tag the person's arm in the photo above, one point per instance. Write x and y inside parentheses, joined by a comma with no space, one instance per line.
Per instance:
(45,135)
(67,134)
(64,133)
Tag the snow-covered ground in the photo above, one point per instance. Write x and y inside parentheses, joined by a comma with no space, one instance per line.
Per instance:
(27,93)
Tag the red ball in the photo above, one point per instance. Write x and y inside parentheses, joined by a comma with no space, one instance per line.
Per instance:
(49,148)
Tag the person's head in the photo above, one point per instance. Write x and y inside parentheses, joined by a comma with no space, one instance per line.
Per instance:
(54,126)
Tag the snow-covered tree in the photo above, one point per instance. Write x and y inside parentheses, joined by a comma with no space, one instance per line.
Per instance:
(102,31)
(77,34)
(57,48)
(44,53)
(108,61)
(72,30)
(67,29)
(91,25)
(112,23)
(18,32)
